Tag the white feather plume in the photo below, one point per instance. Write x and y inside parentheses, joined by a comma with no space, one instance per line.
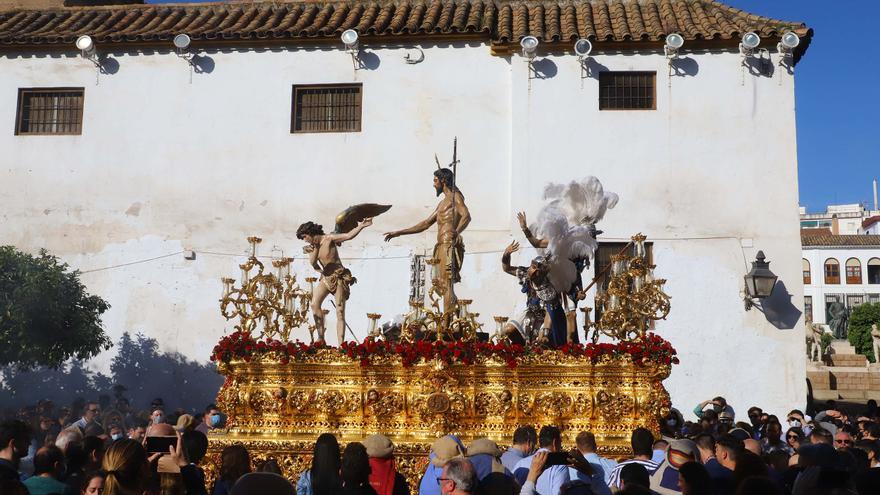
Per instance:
(565,222)
(583,201)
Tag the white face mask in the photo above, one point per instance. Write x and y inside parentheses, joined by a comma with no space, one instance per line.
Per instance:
(794,423)
(158,419)
(116,436)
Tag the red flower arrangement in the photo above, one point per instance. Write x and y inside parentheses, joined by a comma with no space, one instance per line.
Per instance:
(239,345)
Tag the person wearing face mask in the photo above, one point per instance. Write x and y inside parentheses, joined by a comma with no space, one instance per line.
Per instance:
(157,419)
(115,433)
(212,418)
(670,427)
(14,439)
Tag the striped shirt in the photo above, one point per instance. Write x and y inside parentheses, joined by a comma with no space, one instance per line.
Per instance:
(614,478)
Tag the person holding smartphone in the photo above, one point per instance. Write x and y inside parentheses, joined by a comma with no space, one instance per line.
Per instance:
(561,469)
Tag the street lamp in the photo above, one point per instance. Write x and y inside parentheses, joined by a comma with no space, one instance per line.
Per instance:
(759,281)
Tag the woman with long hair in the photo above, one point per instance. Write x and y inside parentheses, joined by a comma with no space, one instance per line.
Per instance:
(356,470)
(235,462)
(125,464)
(323,477)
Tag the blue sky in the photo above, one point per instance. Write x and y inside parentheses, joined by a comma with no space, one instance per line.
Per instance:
(837,101)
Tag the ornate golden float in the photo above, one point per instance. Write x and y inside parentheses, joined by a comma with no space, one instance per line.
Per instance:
(281,395)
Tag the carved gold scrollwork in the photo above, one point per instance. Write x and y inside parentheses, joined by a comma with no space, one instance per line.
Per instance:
(384,404)
(614,405)
(329,402)
(277,411)
(495,404)
(553,405)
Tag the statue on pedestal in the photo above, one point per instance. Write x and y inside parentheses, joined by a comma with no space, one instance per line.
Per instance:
(452,217)
(838,319)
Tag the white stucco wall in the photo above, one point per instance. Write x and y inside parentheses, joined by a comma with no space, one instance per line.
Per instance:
(164,165)
(818,289)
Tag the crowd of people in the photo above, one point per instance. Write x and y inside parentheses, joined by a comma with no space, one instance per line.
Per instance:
(833,452)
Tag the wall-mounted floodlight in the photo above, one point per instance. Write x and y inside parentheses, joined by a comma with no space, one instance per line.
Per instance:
(674,42)
(182,42)
(86,45)
(749,43)
(789,42)
(350,40)
(583,48)
(529,46)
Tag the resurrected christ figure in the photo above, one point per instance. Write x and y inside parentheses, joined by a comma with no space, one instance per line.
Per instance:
(452,217)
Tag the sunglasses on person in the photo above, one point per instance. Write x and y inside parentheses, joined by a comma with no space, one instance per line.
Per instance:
(843,442)
(792,437)
(443,479)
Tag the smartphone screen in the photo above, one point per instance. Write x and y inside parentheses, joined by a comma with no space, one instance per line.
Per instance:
(557,459)
(160,444)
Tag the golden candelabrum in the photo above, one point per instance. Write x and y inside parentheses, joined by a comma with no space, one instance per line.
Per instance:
(433,321)
(632,299)
(268,305)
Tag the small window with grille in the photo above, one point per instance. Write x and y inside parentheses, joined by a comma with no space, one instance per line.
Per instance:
(46,111)
(627,91)
(326,108)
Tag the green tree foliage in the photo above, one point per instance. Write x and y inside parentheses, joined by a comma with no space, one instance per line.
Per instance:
(46,315)
(860,328)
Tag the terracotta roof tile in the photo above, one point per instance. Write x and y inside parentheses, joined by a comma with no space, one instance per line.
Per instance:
(502,21)
(870,221)
(839,240)
(815,231)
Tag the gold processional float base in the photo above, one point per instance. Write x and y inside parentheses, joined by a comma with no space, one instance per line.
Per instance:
(278,407)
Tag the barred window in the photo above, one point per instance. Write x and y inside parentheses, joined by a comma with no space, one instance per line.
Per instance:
(49,111)
(326,108)
(627,91)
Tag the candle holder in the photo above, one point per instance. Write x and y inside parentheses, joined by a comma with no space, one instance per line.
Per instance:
(373,328)
(500,334)
(267,305)
(632,299)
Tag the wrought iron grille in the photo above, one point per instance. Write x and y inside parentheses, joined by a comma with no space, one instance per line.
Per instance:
(50,111)
(627,91)
(326,108)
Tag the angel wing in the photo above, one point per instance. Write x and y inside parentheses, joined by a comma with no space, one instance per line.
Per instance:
(353,215)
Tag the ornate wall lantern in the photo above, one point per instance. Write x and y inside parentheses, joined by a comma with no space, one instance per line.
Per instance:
(759,281)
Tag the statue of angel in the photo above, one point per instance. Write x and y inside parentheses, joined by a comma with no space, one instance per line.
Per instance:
(324,257)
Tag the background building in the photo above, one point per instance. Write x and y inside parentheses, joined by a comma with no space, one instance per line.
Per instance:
(148,169)
(839,268)
(846,219)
